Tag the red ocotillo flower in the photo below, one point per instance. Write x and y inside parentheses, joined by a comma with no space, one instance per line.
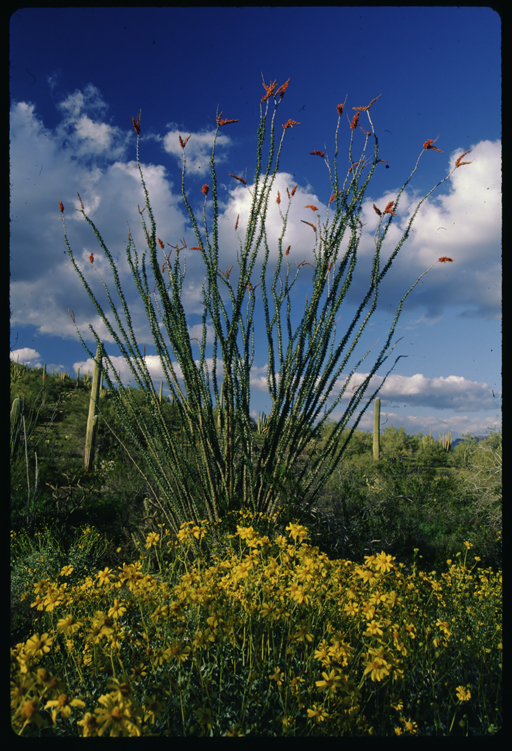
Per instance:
(238,178)
(355,120)
(91,258)
(458,163)
(136,124)
(196,248)
(205,189)
(377,211)
(444,259)
(365,109)
(183,143)
(236,223)
(293,191)
(160,243)
(317,153)
(389,208)
(61,207)
(269,89)
(287,251)
(225,121)
(331,199)
(313,208)
(278,199)
(341,107)
(282,89)
(226,273)
(290,124)
(428,145)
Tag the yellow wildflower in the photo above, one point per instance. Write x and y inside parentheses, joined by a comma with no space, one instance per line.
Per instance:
(329,682)
(68,625)
(63,706)
(383,562)
(152,539)
(373,629)
(463,694)
(115,716)
(297,531)
(277,676)
(105,575)
(36,647)
(377,666)
(90,725)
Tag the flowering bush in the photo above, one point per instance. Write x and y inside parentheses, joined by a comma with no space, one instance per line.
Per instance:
(263,635)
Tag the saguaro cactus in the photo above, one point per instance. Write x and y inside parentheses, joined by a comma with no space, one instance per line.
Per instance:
(15,424)
(445,441)
(376,430)
(92,420)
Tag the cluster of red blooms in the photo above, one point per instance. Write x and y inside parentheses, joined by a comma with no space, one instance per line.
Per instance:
(429,145)
(458,163)
(225,121)
(365,109)
(270,90)
(387,210)
(136,124)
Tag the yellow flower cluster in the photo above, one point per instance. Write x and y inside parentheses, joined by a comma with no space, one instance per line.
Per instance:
(269,618)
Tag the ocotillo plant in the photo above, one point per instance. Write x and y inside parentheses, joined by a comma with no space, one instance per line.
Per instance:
(92,420)
(306,361)
(376,430)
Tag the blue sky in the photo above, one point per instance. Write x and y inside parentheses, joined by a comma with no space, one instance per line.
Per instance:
(78,75)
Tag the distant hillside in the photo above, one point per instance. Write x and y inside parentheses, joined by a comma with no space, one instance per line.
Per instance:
(460,440)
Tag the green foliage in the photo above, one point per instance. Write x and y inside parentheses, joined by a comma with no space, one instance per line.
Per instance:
(418,497)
